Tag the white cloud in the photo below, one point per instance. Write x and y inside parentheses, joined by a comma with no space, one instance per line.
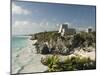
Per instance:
(27,27)
(57,25)
(67,23)
(19,10)
(47,25)
(23,27)
(21,23)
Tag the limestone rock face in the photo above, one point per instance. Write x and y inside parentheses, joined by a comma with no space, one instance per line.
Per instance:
(44,49)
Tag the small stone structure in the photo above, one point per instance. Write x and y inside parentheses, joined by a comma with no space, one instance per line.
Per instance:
(64,29)
(88,30)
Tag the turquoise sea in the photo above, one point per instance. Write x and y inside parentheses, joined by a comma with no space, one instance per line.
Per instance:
(19,41)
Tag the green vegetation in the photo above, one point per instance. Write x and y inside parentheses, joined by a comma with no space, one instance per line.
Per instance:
(84,39)
(69,64)
(46,36)
(54,43)
(51,62)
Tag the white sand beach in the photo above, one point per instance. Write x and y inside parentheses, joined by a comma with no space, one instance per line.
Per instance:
(83,53)
(26,61)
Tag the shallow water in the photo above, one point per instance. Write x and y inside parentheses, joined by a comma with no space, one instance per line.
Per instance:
(19,41)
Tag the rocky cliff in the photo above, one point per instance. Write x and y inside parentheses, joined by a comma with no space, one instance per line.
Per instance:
(54,43)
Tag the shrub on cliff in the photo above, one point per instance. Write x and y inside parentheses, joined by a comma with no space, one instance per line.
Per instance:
(51,62)
(63,45)
(83,39)
(46,36)
(70,64)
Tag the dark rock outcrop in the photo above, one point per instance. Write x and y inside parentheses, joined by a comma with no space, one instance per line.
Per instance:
(44,49)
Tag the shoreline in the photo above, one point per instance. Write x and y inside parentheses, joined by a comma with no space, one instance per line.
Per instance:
(27,60)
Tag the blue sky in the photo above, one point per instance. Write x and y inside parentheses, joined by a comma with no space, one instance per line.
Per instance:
(32,17)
